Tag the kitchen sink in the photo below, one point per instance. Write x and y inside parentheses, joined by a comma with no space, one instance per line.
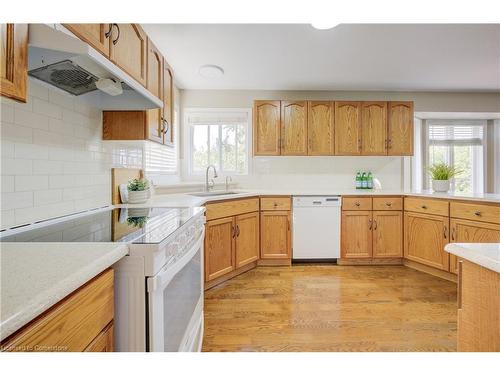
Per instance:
(214,193)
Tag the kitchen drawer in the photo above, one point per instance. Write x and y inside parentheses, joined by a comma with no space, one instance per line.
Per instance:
(387,203)
(427,206)
(356,204)
(231,208)
(72,324)
(275,204)
(476,212)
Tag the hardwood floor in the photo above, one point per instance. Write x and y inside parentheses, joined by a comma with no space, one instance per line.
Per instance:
(331,308)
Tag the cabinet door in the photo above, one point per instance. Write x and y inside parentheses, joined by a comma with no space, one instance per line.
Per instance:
(387,234)
(168,103)
(13,60)
(400,128)
(471,231)
(97,35)
(155,71)
(347,128)
(294,128)
(320,120)
(154,125)
(275,235)
(104,342)
(356,236)
(266,127)
(425,237)
(374,128)
(128,50)
(219,248)
(247,238)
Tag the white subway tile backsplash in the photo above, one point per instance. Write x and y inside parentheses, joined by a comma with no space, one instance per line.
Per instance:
(6,113)
(58,153)
(7,184)
(16,166)
(32,183)
(59,126)
(15,133)
(46,108)
(43,197)
(61,99)
(74,117)
(17,200)
(38,89)
(31,214)
(7,149)
(31,151)
(43,137)
(30,119)
(8,218)
(62,181)
(48,167)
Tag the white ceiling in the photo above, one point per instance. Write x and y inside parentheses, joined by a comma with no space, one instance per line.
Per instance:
(402,57)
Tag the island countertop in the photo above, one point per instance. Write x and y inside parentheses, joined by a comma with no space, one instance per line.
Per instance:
(486,255)
(35,276)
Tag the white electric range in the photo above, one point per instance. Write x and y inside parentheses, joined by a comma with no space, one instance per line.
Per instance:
(158,286)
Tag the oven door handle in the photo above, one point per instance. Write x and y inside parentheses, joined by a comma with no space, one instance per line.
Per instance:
(167,273)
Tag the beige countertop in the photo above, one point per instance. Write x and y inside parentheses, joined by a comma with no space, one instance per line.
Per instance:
(35,276)
(486,255)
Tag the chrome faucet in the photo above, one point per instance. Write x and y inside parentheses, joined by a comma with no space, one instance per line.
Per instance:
(209,185)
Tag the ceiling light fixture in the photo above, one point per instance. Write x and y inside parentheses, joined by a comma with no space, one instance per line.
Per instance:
(324,25)
(211,71)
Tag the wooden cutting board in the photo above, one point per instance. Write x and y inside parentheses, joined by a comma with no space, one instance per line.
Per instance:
(122,176)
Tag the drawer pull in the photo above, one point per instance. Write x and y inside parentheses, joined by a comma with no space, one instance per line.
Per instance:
(357,204)
(388,204)
(477,213)
(424,207)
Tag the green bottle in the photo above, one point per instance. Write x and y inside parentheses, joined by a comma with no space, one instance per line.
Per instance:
(364,181)
(358,180)
(369,179)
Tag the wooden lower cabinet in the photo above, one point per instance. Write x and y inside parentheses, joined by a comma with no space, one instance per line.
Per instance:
(83,321)
(247,238)
(387,234)
(275,240)
(425,237)
(478,312)
(471,231)
(356,234)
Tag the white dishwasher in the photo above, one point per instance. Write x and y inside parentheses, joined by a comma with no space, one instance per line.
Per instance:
(316,227)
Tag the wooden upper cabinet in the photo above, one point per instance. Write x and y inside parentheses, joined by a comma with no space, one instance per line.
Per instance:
(247,238)
(293,128)
(14,60)
(356,234)
(155,71)
(219,248)
(387,234)
(168,103)
(128,50)
(374,128)
(320,127)
(400,128)
(425,238)
(275,235)
(266,127)
(98,35)
(347,128)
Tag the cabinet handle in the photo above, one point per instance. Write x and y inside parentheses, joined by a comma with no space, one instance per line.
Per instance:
(459,296)
(375,225)
(477,213)
(386,144)
(389,143)
(233,231)
(453,233)
(289,224)
(445,231)
(118,36)
(388,204)
(237,230)
(108,34)
(370,224)
(359,143)
(357,204)
(424,206)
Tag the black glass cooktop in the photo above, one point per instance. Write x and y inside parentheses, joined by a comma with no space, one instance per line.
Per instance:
(137,225)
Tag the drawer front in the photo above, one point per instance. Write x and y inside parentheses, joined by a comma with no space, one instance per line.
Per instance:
(387,203)
(427,206)
(231,208)
(275,204)
(476,212)
(73,323)
(356,204)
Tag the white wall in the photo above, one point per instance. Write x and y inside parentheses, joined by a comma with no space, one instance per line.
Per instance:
(54,161)
(338,171)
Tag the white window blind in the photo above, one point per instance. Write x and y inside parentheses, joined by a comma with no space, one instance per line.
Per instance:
(465,135)
(160,159)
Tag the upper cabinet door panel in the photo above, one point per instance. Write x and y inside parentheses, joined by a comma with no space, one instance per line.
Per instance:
(400,140)
(293,128)
(128,50)
(155,71)
(266,127)
(374,128)
(96,34)
(320,121)
(168,103)
(14,60)
(347,128)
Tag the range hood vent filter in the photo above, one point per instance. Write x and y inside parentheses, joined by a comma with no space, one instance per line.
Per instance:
(67,76)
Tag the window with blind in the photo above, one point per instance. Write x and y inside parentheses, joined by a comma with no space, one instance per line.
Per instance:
(219,137)
(461,144)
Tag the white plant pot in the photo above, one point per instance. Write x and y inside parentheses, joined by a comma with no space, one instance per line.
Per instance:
(441,185)
(138,212)
(136,197)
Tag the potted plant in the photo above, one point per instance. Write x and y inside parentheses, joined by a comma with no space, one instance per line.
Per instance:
(138,191)
(441,174)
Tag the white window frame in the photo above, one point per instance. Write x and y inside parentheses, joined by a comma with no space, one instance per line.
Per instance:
(475,176)
(188,140)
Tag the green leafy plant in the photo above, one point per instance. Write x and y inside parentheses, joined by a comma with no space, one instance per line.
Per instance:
(138,185)
(139,221)
(443,171)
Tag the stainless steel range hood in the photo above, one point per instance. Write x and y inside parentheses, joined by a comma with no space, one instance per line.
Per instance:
(60,59)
